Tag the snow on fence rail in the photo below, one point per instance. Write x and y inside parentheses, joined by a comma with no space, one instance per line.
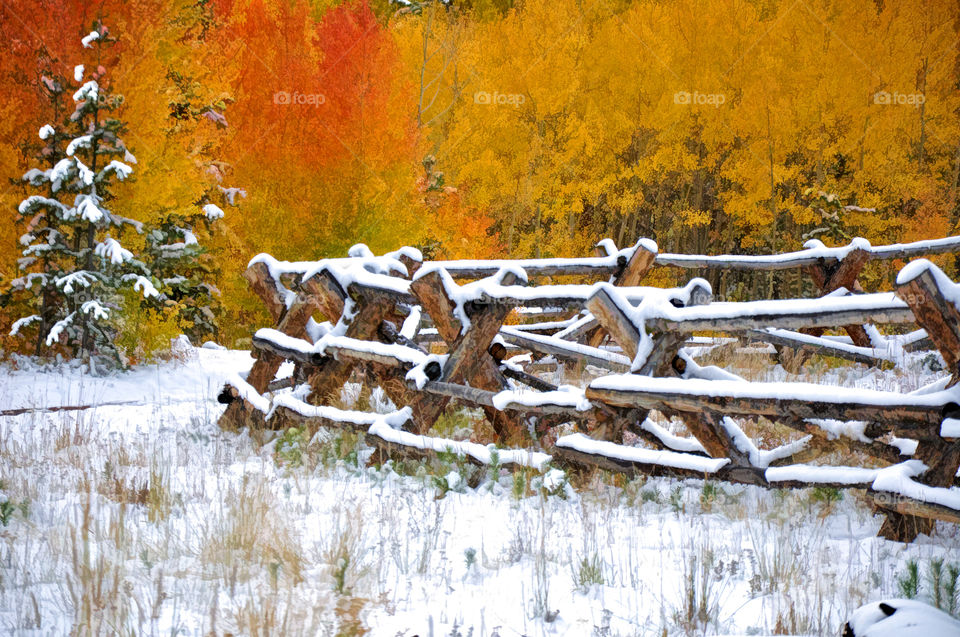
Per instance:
(815,253)
(378,310)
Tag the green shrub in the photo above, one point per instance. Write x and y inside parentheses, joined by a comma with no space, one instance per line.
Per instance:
(6,512)
(588,572)
(291,447)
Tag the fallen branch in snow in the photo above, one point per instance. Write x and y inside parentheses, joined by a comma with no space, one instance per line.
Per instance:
(28,410)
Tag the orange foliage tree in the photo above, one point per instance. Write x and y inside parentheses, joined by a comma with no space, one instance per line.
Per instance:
(529,127)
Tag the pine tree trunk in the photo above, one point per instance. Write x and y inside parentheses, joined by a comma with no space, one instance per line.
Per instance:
(86,346)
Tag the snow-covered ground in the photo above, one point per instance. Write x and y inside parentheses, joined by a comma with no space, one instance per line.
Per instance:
(146,518)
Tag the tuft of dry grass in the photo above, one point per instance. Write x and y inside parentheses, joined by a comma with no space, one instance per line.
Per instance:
(251,533)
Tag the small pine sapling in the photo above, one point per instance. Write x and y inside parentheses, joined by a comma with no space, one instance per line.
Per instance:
(832,216)
(184,269)
(175,238)
(908,583)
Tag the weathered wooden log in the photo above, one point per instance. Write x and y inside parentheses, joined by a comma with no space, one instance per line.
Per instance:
(791,260)
(438,305)
(909,507)
(468,359)
(509,459)
(566,351)
(570,457)
(373,294)
(329,294)
(843,274)
(901,419)
(527,379)
(667,344)
(464,393)
(940,317)
(371,308)
(267,288)
(662,361)
(389,333)
(243,414)
(905,518)
(772,263)
(410,263)
(321,292)
(892,313)
(354,355)
(282,383)
(499,351)
(586,266)
(919,344)
(605,265)
(387,449)
(706,427)
(268,346)
(708,430)
(346,350)
(484,398)
(569,301)
(286,417)
(614,321)
(328,372)
(947,245)
(264,369)
(640,262)
(548,328)
(580,330)
(574,458)
(638,265)
(811,344)
(822,443)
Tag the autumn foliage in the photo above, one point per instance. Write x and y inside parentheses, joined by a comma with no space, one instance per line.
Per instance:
(531,129)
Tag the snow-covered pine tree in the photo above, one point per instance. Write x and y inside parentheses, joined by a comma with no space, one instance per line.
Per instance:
(95,265)
(41,214)
(832,214)
(180,262)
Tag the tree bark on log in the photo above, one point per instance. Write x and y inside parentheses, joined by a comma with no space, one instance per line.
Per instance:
(941,319)
(637,267)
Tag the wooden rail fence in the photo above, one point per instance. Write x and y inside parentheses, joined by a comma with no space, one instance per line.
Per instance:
(435,332)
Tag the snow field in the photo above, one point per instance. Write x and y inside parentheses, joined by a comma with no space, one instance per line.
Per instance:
(146,518)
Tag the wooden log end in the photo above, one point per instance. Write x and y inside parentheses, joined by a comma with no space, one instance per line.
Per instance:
(498,351)
(904,528)
(227,395)
(433,370)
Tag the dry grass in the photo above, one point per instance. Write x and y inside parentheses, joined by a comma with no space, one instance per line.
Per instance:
(174,525)
(250,535)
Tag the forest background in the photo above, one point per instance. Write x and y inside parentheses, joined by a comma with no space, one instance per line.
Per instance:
(484,128)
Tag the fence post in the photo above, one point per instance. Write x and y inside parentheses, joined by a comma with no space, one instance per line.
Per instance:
(921,287)
(639,264)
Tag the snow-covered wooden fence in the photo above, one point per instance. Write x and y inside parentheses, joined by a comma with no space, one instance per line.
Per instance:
(425,337)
